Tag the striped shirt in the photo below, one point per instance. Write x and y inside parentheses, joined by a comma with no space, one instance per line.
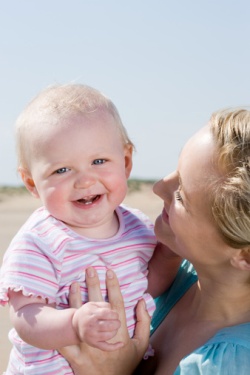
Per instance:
(46,256)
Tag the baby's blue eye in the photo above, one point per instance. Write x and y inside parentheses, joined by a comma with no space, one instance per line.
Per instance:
(62,170)
(99,161)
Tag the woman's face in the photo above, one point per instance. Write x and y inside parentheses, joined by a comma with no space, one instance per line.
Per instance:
(186,224)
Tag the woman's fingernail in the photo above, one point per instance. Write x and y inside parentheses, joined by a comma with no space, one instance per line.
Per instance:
(90,272)
(74,288)
(110,274)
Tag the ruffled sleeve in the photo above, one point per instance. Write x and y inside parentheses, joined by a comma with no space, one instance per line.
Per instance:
(31,268)
(227,353)
(32,263)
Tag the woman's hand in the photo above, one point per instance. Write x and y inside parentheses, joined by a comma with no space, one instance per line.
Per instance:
(129,352)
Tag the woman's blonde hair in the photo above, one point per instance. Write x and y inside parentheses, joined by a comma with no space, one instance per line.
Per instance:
(57,103)
(231,194)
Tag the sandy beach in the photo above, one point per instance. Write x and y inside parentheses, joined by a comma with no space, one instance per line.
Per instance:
(15,209)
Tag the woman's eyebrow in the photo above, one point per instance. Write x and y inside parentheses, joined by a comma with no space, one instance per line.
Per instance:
(180,180)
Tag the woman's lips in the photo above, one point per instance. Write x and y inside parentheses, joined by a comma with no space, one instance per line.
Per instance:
(165,216)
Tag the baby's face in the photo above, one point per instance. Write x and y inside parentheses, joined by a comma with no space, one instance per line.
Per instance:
(80,170)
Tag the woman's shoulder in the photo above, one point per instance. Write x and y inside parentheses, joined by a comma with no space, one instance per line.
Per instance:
(239,333)
(226,353)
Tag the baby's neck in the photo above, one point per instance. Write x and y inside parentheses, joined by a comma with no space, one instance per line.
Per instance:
(104,230)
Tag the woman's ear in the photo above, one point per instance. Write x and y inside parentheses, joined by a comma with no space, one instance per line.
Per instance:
(28,181)
(128,157)
(241,259)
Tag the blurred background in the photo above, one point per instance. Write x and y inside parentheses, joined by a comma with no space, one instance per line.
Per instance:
(167,65)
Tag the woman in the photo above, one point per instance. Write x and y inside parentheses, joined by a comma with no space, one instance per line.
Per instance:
(202,323)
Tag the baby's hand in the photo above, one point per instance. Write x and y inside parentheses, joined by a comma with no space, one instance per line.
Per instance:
(95,323)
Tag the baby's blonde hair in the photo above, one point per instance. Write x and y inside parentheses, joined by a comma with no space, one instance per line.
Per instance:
(231,194)
(58,102)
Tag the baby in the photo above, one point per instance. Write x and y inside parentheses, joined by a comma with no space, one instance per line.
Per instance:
(75,155)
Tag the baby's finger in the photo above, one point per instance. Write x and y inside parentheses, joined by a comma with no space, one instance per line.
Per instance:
(107,325)
(75,299)
(93,285)
(101,337)
(109,347)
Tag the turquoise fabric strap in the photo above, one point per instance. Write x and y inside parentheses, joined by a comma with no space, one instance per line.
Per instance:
(185,278)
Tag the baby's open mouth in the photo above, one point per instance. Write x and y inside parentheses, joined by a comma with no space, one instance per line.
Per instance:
(89,200)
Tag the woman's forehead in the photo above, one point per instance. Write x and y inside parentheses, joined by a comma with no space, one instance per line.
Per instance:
(196,164)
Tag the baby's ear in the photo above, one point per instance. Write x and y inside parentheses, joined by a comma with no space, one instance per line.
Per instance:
(241,259)
(128,156)
(28,181)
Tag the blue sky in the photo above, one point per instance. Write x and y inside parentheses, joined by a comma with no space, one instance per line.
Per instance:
(167,65)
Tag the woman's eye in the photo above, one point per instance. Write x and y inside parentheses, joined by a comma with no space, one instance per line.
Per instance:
(62,170)
(178,196)
(99,161)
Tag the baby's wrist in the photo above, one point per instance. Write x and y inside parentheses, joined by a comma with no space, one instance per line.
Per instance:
(78,333)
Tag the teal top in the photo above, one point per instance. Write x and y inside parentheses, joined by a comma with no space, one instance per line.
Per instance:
(226,353)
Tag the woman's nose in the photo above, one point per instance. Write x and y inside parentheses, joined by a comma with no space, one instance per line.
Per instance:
(165,187)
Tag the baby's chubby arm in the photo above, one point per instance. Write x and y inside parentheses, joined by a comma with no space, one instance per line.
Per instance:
(41,325)
(162,269)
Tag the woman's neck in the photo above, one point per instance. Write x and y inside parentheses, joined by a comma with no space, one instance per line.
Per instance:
(222,296)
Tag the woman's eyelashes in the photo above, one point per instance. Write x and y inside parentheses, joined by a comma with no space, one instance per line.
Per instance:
(178,196)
